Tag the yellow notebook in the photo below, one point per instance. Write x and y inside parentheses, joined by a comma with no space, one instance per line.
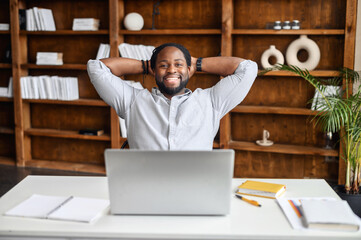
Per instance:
(261,189)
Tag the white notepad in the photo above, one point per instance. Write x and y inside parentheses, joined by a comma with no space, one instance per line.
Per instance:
(332,215)
(60,208)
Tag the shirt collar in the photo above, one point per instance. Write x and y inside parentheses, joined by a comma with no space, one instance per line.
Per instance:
(157,92)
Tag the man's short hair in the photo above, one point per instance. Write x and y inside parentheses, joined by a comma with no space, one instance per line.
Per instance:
(156,51)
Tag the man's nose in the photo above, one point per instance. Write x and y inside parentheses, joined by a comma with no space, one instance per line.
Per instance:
(171,68)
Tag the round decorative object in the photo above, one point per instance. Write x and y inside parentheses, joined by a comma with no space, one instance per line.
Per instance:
(272,51)
(133,21)
(308,45)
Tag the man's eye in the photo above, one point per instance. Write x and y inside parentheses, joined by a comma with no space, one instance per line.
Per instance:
(179,65)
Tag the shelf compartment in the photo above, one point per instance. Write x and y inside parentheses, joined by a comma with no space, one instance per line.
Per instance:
(273,110)
(4,31)
(172,32)
(64,134)
(6,130)
(64,66)
(5,66)
(65,32)
(81,102)
(58,165)
(283,148)
(288,32)
(316,73)
(7,161)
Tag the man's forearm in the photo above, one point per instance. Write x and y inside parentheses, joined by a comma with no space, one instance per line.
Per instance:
(123,66)
(223,66)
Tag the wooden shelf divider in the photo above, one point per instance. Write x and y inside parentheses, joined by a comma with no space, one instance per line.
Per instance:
(316,73)
(6,130)
(173,32)
(6,99)
(7,161)
(64,66)
(288,32)
(283,148)
(65,32)
(273,110)
(81,102)
(64,134)
(78,167)
(5,65)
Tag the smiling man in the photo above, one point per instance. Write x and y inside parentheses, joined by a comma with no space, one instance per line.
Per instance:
(172,117)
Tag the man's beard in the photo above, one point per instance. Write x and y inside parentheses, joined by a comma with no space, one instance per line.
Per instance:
(172,91)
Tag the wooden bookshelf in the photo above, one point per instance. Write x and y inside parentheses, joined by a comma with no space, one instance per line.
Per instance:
(278,100)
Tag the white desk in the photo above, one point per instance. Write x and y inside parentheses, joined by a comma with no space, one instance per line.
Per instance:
(245,222)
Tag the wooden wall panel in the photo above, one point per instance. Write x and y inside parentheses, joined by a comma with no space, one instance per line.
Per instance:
(69,117)
(284,129)
(312,14)
(5,75)
(65,11)
(69,150)
(7,145)
(280,91)
(273,165)
(5,44)
(86,88)
(75,49)
(179,14)
(331,52)
(7,114)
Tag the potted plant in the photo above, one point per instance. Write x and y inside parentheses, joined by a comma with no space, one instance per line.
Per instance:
(339,112)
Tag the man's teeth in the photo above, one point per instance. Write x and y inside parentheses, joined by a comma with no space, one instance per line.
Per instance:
(171,79)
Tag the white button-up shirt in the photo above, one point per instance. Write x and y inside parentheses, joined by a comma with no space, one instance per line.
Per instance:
(186,122)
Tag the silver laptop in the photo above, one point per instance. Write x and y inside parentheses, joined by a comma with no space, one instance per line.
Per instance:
(169,182)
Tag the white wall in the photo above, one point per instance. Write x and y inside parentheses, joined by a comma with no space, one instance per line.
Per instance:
(357,66)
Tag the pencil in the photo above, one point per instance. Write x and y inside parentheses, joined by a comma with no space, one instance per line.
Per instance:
(253,202)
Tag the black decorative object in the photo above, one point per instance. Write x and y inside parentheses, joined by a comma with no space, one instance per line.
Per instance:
(155,12)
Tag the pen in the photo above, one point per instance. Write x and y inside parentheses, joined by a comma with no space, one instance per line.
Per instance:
(253,202)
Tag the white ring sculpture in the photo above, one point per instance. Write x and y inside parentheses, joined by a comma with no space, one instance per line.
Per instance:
(272,51)
(133,21)
(308,45)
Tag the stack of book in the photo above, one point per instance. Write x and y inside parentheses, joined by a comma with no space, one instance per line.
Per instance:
(4,26)
(49,58)
(85,24)
(103,51)
(139,52)
(39,19)
(7,91)
(49,87)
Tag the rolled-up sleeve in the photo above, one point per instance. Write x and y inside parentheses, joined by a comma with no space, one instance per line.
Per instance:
(112,89)
(231,90)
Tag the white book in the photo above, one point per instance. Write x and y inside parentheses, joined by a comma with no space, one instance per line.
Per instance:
(28,15)
(48,19)
(36,18)
(85,24)
(329,215)
(103,51)
(10,88)
(54,93)
(34,88)
(67,208)
(4,26)
(49,58)
(3,91)
(41,87)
